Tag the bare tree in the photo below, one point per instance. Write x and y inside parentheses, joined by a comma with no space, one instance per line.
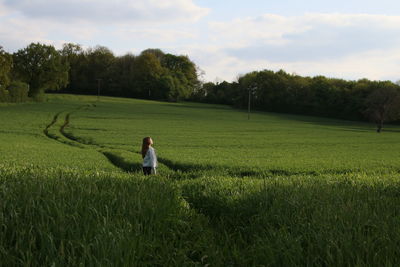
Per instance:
(383,105)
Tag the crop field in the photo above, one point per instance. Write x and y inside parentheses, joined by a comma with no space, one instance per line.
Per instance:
(275,190)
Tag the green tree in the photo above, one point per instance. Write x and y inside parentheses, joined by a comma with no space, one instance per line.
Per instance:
(169,87)
(201,93)
(148,72)
(184,73)
(18,91)
(42,67)
(158,53)
(74,56)
(98,69)
(5,68)
(383,104)
(123,76)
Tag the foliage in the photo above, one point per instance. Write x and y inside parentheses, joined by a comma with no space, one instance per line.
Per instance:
(147,75)
(383,104)
(291,93)
(4,95)
(18,91)
(152,74)
(5,68)
(40,66)
(73,55)
(184,74)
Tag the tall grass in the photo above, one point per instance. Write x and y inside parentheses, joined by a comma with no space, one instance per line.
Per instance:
(345,220)
(65,218)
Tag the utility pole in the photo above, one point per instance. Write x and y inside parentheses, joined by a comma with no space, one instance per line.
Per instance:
(98,89)
(248,106)
(252,89)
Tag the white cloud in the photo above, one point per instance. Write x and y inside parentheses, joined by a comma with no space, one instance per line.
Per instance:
(158,35)
(313,29)
(375,65)
(104,11)
(340,45)
(3,9)
(14,34)
(17,32)
(124,24)
(268,28)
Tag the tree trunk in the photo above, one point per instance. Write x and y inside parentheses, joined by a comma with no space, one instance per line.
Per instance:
(379,126)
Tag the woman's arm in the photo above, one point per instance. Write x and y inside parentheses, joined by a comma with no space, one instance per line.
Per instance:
(153,157)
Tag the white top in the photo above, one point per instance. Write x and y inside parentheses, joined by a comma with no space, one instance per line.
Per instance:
(150,160)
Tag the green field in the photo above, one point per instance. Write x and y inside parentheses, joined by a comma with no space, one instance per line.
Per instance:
(275,190)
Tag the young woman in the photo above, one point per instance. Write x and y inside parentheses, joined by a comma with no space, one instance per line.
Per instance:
(149,157)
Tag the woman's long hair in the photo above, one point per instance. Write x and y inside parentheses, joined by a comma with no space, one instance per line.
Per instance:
(145,146)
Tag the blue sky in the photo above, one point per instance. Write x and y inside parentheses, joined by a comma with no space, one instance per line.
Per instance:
(350,39)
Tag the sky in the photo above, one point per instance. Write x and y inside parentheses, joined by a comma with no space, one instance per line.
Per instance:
(348,39)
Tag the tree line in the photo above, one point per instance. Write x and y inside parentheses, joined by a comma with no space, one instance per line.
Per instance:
(40,68)
(377,101)
(153,74)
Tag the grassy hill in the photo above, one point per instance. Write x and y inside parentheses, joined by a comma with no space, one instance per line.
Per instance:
(273,190)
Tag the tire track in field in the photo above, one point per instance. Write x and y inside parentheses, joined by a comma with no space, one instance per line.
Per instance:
(46,130)
(178,169)
(72,140)
(115,159)
(186,170)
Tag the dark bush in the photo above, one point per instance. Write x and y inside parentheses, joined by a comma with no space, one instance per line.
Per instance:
(18,91)
(4,95)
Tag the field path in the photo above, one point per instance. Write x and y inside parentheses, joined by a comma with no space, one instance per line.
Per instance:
(59,134)
(56,130)
(46,130)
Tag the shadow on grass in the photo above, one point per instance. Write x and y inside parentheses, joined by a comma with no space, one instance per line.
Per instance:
(197,170)
(196,105)
(390,130)
(182,167)
(121,163)
(300,215)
